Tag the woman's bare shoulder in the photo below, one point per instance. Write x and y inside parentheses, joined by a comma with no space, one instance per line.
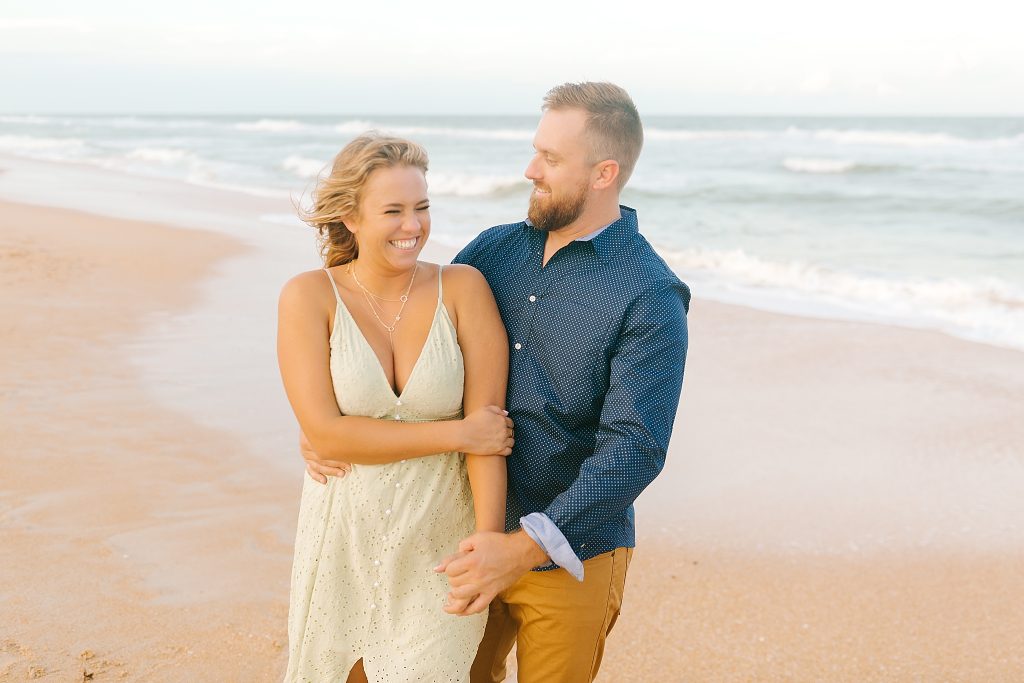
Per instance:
(308,289)
(464,278)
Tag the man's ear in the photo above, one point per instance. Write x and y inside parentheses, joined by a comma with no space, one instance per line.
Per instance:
(607,174)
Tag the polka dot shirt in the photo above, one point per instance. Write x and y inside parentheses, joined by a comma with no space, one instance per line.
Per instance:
(597,344)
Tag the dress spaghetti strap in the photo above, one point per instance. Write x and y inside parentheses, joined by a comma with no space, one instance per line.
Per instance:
(333,286)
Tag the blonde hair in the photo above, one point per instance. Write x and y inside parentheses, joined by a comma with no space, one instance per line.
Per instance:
(613,123)
(339,194)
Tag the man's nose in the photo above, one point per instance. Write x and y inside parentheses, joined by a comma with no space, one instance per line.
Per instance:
(533,170)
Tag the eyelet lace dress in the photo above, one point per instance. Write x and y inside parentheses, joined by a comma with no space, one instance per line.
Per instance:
(363,585)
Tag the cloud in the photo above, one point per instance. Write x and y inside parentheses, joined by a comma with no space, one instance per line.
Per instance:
(816,81)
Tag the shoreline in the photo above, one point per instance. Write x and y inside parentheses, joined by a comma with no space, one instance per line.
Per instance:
(160,540)
(257,219)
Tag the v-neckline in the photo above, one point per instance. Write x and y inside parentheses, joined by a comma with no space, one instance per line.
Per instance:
(380,366)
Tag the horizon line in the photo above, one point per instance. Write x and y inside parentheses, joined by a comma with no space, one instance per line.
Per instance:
(496,115)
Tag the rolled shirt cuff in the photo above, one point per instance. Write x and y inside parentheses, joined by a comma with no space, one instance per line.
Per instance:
(543,531)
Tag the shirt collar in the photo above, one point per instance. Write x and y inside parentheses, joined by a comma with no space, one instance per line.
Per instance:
(610,238)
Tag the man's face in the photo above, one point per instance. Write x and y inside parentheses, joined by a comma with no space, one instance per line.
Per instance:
(560,169)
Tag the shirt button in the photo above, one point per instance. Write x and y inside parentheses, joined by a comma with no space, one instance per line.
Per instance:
(376,563)
(532,298)
(373,606)
(518,346)
(398,486)
(376,584)
(388,511)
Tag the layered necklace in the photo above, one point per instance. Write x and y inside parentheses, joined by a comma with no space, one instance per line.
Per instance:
(372,298)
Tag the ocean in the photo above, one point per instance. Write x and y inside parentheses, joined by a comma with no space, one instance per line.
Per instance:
(909,221)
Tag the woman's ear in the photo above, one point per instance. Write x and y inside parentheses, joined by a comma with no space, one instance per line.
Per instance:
(351,223)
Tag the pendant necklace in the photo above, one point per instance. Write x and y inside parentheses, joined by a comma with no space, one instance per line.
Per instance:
(367,294)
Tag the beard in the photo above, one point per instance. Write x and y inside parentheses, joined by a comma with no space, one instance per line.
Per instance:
(554,213)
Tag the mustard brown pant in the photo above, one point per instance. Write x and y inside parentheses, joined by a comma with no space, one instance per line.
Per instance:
(558,624)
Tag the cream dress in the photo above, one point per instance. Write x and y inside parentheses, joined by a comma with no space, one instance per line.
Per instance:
(363,584)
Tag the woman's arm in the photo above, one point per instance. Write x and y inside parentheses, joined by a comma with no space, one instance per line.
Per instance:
(484,345)
(303,352)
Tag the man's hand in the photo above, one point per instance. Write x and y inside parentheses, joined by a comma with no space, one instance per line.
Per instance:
(318,468)
(487,563)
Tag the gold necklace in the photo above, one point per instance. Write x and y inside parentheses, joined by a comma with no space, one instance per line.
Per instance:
(373,309)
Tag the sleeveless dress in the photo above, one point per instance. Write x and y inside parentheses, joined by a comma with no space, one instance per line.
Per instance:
(363,584)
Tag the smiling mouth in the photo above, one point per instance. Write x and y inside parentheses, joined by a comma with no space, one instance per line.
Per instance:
(405,245)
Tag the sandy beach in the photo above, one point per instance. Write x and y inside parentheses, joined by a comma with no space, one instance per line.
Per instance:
(841,502)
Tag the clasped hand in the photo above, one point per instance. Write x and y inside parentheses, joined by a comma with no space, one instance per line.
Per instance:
(487,563)
(485,431)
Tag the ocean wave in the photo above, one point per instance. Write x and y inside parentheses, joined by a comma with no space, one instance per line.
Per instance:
(715,134)
(139,123)
(798,165)
(984,309)
(894,138)
(270,126)
(161,155)
(469,185)
(356,127)
(303,167)
(886,138)
(28,120)
(204,176)
(812,165)
(29,144)
(853,136)
(450,184)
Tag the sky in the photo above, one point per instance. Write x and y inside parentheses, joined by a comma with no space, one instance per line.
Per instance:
(897,57)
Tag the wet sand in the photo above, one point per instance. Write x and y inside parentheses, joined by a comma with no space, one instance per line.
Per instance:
(839,503)
(137,545)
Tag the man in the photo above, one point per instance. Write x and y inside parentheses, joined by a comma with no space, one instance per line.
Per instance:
(598,337)
(597,326)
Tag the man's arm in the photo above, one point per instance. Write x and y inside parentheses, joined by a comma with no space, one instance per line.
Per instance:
(645,379)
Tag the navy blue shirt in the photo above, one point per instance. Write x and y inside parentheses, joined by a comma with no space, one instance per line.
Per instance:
(597,345)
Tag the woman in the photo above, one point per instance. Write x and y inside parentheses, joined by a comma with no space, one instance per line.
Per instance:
(381,355)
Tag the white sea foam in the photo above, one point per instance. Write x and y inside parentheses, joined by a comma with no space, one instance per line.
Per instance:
(270,126)
(27,120)
(887,138)
(800,165)
(354,127)
(686,135)
(358,126)
(32,145)
(469,185)
(451,184)
(207,177)
(984,309)
(894,138)
(161,155)
(883,138)
(137,123)
(304,167)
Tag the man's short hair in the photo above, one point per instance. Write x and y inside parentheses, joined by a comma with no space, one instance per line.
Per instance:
(613,124)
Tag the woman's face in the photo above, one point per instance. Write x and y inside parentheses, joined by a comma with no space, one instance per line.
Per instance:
(394,218)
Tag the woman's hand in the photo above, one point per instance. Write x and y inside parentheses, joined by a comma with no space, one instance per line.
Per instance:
(487,431)
(318,468)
